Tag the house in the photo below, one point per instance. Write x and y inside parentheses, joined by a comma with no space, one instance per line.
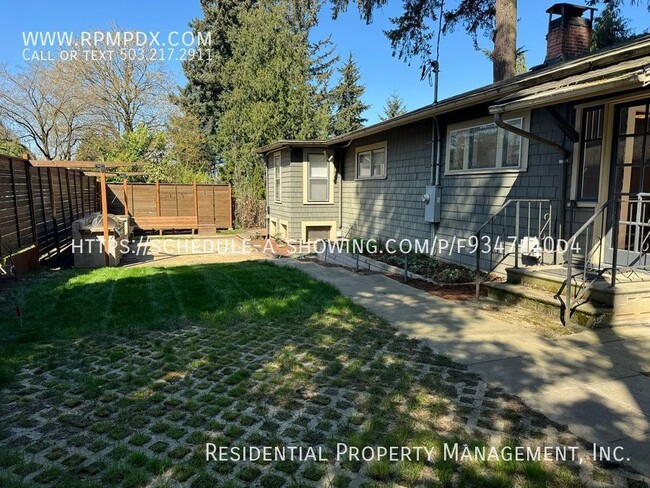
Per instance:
(557,156)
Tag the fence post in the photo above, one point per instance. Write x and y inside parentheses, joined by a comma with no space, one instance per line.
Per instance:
(13,191)
(105,217)
(126,198)
(68,189)
(196,206)
(229,204)
(30,197)
(83,197)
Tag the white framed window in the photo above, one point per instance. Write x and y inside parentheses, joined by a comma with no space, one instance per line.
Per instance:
(481,146)
(371,161)
(592,135)
(277,177)
(317,188)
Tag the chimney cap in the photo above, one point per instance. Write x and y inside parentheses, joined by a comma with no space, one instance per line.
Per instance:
(569,9)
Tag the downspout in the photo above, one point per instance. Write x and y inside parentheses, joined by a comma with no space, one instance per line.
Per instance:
(564,159)
(341,162)
(339,234)
(435,166)
(435,178)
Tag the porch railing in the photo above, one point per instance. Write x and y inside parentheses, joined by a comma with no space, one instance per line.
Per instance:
(588,257)
(536,215)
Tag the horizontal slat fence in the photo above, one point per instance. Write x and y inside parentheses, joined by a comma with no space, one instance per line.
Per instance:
(38,205)
(213,202)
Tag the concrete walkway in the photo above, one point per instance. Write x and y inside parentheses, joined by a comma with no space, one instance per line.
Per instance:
(596,382)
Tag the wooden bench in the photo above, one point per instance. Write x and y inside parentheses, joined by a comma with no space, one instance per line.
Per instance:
(167,223)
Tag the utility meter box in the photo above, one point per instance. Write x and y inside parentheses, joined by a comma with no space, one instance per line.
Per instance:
(431,200)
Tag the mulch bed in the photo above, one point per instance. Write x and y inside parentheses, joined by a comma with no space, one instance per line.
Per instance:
(448,292)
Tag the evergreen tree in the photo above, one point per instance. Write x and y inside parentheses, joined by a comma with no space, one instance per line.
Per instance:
(201,96)
(610,27)
(346,97)
(268,95)
(394,106)
(415,30)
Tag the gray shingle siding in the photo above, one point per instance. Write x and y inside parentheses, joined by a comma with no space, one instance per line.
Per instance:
(292,210)
(392,208)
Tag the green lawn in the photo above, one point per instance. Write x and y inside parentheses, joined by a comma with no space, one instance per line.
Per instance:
(118,377)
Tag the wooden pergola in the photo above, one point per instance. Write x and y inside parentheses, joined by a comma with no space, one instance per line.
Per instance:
(97,169)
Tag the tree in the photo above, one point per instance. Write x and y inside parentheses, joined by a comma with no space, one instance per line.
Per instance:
(202,95)
(10,144)
(43,107)
(268,95)
(521,65)
(394,106)
(610,28)
(123,91)
(346,97)
(189,154)
(414,31)
(504,55)
(618,3)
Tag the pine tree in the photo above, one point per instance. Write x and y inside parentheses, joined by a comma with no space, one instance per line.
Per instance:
(347,101)
(394,106)
(610,27)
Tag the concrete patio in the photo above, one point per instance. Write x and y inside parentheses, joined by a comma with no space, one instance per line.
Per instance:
(596,382)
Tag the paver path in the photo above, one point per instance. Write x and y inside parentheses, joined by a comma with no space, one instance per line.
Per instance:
(596,382)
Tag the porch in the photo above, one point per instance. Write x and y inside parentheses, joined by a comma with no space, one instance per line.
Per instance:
(598,274)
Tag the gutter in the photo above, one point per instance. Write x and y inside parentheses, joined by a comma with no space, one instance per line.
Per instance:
(564,160)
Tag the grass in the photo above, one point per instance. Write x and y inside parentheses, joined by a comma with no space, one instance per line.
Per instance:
(143,366)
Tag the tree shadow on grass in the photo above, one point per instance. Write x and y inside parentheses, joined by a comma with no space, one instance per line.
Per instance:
(240,354)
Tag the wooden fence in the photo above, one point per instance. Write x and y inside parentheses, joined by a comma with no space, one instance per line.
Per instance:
(160,206)
(38,205)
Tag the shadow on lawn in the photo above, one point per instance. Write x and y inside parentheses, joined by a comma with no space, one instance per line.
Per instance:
(245,354)
(73,305)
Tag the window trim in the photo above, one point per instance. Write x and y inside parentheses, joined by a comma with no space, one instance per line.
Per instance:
(606,154)
(332,224)
(305,179)
(277,177)
(369,148)
(468,124)
(581,152)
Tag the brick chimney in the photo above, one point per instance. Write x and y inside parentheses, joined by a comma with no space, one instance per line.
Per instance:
(569,33)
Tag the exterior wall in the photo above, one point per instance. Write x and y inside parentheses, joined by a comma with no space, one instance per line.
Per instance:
(391,207)
(279,212)
(470,200)
(292,210)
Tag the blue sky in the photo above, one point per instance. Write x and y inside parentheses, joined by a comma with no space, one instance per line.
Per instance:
(462,68)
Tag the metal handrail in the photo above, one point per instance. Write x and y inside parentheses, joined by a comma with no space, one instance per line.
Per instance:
(507,203)
(570,244)
(584,229)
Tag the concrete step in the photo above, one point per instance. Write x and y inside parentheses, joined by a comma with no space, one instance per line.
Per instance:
(600,292)
(543,301)
(630,299)
(534,277)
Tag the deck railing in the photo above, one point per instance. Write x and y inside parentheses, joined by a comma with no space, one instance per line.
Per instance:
(602,248)
(536,215)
